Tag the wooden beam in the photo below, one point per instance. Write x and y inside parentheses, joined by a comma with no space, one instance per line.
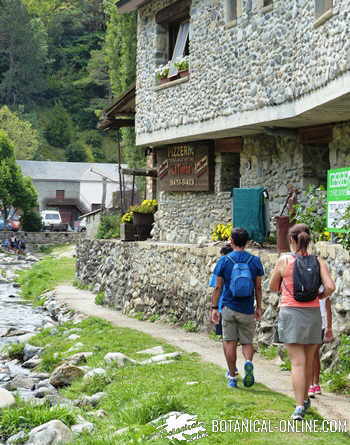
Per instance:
(228,145)
(115,123)
(175,12)
(316,135)
(140,172)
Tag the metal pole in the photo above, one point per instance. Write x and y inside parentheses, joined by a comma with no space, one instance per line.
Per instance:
(120,173)
(104,193)
(133,190)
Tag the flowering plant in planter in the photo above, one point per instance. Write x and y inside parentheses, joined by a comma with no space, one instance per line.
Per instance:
(146,206)
(182,64)
(127,217)
(162,72)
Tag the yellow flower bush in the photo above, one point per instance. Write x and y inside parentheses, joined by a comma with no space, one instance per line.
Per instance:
(127,217)
(222,232)
(146,206)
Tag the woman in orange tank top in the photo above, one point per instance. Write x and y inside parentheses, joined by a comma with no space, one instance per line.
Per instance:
(299,323)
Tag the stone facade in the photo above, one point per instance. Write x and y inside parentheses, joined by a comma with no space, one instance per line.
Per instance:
(171,280)
(268,58)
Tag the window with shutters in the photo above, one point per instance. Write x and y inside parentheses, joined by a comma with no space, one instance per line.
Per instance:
(174,28)
(322,6)
(60,195)
(266,5)
(323,11)
(231,12)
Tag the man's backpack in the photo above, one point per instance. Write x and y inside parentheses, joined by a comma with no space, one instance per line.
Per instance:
(306,278)
(241,284)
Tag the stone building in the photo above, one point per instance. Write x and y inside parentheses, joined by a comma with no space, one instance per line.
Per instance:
(265,102)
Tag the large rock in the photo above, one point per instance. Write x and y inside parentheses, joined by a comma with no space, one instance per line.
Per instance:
(156,350)
(94,372)
(30,351)
(65,374)
(161,358)
(21,382)
(90,400)
(16,439)
(6,398)
(50,433)
(118,358)
(79,358)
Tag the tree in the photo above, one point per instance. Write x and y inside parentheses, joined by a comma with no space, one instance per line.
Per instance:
(23,52)
(76,153)
(31,221)
(59,129)
(16,191)
(20,132)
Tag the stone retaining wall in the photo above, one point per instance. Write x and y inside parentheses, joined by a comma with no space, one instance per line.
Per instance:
(170,281)
(45,237)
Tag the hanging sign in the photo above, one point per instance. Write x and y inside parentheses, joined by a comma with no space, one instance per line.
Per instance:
(186,167)
(338,198)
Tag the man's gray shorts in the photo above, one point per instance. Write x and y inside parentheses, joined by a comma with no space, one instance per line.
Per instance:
(237,326)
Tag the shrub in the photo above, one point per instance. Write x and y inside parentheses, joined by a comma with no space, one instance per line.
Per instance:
(312,212)
(222,232)
(109,227)
(31,221)
(100,298)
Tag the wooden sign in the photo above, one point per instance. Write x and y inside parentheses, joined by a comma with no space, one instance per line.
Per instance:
(186,167)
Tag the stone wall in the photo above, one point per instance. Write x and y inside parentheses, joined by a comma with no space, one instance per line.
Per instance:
(34,238)
(171,281)
(339,148)
(189,217)
(267,59)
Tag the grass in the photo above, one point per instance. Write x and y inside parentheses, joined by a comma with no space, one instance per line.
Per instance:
(190,326)
(44,276)
(338,379)
(55,249)
(24,416)
(137,394)
(14,351)
(269,352)
(100,298)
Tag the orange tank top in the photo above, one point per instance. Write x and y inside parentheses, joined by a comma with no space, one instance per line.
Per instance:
(287,289)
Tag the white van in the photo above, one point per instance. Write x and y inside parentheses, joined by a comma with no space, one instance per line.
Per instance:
(51,220)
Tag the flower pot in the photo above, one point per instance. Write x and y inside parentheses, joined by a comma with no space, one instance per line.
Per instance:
(174,77)
(183,73)
(127,232)
(140,219)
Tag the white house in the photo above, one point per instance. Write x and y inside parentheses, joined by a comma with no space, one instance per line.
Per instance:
(73,188)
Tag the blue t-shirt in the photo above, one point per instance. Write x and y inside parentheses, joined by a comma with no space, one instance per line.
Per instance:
(224,268)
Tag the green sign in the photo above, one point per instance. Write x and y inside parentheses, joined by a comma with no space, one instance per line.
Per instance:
(338,198)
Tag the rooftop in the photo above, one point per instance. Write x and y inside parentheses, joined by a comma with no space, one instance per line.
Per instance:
(68,171)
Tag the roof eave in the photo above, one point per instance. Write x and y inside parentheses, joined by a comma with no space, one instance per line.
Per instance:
(125,6)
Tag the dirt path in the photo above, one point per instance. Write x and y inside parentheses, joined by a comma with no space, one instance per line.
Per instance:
(330,406)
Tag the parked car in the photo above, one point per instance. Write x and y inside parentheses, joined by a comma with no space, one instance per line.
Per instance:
(14,222)
(52,221)
(4,226)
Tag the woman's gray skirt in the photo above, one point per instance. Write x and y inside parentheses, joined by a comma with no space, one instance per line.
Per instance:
(300,325)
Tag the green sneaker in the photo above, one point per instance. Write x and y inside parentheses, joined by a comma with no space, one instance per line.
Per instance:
(248,379)
(299,413)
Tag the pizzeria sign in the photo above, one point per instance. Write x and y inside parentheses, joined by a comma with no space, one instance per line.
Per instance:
(185,167)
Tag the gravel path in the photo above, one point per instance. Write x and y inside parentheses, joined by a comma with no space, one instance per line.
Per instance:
(330,406)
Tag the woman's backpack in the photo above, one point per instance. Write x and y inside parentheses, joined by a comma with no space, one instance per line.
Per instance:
(306,278)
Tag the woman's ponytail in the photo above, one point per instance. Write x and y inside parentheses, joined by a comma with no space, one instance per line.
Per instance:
(300,233)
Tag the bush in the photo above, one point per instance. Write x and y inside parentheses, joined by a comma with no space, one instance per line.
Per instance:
(31,221)
(100,298)
(190,326)
(109,227)
(15,351)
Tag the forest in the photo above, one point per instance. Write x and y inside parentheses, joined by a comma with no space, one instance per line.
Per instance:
(61,63)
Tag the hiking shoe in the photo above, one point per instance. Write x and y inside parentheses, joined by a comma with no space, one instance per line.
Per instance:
(248,379)
(307,404)
(229,376)
(232,383)
(317,389)
(299,413)
(311,391)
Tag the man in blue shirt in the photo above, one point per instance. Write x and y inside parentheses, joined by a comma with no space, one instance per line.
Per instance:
(238,313)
